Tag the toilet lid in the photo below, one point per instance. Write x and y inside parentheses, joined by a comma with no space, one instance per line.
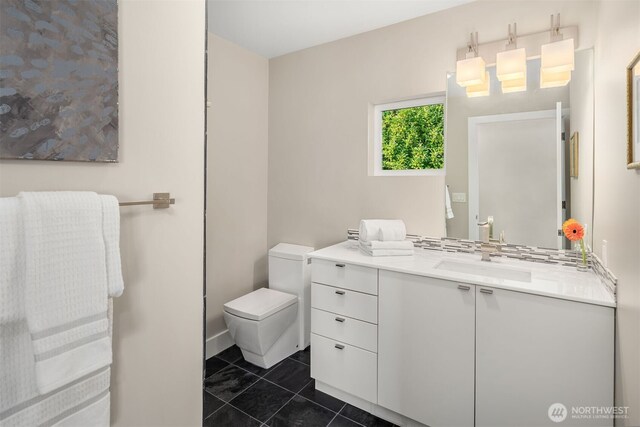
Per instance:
(260,304)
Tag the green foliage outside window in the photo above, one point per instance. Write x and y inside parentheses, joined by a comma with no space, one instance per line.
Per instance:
(413,138)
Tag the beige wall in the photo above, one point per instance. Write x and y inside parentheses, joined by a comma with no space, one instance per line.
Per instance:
(318,117)
(238,86)
(617,190)
(157,369)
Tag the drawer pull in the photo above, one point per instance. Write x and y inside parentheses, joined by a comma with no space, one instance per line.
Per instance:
(464,287)
(340,319)
(340,292)
(339,346)
(340,265)
(486,291)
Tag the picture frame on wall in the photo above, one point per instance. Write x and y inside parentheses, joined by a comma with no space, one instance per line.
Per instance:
(59,91)
(574,155)
(633,113)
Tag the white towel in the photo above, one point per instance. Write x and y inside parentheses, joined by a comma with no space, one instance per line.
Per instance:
(377,244)
(385,252)
(12,267)
(111,235)
(448,212)
(66,285)
(382,229)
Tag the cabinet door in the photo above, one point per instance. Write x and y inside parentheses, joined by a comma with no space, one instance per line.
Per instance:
(534,351)
(426,348)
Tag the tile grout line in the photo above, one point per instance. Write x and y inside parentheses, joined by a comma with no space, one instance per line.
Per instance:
(238,409)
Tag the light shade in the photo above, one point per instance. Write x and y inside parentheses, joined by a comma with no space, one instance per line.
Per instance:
(511,65)
(481,89)
(516,85)
(548,79)
(558,56)
(470,72)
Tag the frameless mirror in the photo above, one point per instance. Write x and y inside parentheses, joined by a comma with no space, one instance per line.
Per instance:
(523,159)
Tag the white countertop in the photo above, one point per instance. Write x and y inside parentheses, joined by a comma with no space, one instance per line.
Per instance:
(549,280)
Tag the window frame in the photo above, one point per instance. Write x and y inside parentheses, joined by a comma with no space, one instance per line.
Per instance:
(377,140)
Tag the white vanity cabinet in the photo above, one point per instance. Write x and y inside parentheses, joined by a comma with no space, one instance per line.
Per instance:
(414,348)
(533,351)
(426,348)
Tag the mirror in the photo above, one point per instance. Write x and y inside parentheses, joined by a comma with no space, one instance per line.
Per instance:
(633,113)
(525,159)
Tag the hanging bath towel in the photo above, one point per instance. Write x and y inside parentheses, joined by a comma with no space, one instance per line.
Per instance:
(71,269)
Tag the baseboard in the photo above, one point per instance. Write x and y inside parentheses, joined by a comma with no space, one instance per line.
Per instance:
(370,407)
(218,343)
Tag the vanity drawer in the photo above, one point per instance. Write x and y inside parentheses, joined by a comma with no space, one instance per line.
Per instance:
(346,302)
(345,329)
(345,367)
(347,276)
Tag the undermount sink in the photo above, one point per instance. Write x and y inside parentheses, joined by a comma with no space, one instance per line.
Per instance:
(480,268)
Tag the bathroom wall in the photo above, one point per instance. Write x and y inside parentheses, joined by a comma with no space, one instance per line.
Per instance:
(318,116)
(238,89)
(157,370)
(617,190)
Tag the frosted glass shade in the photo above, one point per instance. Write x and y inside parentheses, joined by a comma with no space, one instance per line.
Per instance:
(558,56)
(470,72)
(517,85)
(548,79)
(511,65)
(481,89)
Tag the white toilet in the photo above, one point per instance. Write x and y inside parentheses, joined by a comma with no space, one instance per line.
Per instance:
(272,323)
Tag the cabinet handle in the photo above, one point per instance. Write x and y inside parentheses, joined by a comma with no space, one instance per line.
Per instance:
(340,319)
(486,291)
(340,265)
(339,346)
(464,287)
(340,292)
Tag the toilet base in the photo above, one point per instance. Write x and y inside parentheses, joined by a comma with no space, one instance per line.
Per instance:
(284,347)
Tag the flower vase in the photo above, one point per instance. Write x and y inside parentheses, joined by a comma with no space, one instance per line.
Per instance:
(582,256)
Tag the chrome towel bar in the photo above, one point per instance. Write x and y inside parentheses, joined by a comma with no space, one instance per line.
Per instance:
(160,201)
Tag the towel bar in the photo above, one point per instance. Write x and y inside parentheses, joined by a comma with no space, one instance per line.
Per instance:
(160,201)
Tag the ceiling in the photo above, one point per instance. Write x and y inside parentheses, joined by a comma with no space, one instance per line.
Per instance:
(275,27)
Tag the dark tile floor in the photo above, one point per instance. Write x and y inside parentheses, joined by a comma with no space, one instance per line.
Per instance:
(237,393)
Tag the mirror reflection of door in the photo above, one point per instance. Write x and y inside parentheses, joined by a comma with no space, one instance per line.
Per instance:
(517,175)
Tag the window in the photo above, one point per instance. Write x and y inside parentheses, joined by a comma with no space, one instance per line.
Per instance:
(409,137)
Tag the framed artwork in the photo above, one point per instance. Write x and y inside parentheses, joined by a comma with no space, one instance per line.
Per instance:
(633,113)
(59,80)
(574,155)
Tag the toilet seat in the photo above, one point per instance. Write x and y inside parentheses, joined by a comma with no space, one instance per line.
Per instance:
(260,304)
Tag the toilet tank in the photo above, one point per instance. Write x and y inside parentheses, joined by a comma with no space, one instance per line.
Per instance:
(290,271)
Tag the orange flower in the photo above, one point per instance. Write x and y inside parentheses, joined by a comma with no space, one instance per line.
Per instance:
(573,230)
(568,222)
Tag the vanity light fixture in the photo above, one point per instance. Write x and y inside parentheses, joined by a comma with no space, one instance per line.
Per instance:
(471,71)
(511,65)
(557,58)
(482,89)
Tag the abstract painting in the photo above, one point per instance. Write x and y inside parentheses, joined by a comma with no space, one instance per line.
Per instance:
(59,80)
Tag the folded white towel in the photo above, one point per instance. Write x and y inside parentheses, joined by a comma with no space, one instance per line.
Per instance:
(382,229)
(12,267)
(385,252)
(377,244)
(66,285)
